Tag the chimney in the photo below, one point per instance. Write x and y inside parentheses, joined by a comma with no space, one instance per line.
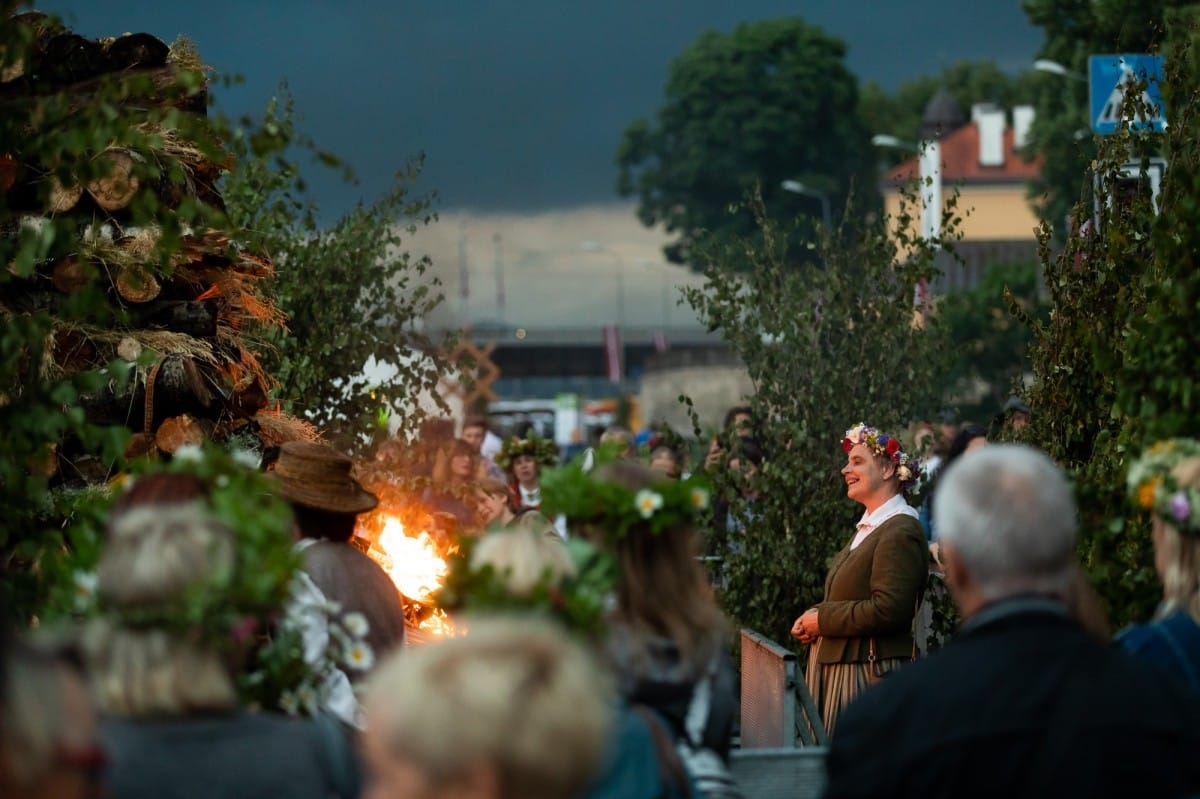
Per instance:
(990,122)
(1022,121)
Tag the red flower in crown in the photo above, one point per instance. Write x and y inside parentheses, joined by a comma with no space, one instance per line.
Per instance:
(847,445)
(893,446)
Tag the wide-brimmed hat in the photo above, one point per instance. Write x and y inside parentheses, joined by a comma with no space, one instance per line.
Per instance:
(318,476)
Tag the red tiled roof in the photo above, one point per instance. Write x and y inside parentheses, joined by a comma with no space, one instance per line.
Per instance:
(960,162)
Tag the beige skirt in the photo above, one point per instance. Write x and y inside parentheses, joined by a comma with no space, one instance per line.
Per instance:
(835,685)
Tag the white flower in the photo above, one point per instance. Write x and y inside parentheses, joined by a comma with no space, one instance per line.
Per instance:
(647,502)
(359,656)
(245,457)
(288,703)
(699,498)
(857,433)
(356,624)
(189,453)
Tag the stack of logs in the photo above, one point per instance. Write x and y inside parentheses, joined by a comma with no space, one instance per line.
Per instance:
(182,316)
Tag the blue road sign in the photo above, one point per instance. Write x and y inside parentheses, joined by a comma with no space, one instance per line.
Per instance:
(1110,76)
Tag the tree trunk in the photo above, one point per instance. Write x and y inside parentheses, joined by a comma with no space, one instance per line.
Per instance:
(69,275)
(136,283)
(178,431)
(158,86)
(196,319)
(119,185)
(135,50)
(73,351)
(63,198)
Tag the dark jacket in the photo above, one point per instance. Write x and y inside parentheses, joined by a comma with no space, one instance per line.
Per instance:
(1022,703)
(659,680)
(239,756)
(347,576)
(871,592)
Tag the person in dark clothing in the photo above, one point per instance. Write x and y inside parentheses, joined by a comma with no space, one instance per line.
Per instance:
(1023,702)
(326,500)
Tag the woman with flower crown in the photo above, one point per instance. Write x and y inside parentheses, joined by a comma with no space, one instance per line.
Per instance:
(1166,482)
(665,636)
(864,626)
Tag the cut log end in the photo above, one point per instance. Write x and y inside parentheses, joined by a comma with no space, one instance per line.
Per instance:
(135,283)
(63,198)
(119,185)
(70,275)
(178,431)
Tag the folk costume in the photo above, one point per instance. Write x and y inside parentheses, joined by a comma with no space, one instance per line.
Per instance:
(871,592)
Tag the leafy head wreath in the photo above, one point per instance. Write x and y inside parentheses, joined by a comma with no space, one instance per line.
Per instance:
(576,492)
(540,449)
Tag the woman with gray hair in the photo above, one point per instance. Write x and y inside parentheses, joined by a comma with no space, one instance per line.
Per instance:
(513,710)
(1166,482)
(164,658)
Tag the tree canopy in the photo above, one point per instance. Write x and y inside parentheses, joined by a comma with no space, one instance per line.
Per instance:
(769,102)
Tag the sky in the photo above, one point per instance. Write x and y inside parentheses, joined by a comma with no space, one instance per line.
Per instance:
(518,109)
(516,106)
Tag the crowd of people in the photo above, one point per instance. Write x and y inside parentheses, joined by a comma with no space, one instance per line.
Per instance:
(240,644)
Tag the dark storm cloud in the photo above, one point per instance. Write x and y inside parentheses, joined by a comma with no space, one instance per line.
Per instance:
(516,105)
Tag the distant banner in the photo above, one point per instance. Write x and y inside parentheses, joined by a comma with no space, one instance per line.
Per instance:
(614,353)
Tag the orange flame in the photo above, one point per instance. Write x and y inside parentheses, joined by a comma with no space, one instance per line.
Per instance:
(416,567)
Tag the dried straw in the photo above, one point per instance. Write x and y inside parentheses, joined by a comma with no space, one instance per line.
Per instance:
(276,428)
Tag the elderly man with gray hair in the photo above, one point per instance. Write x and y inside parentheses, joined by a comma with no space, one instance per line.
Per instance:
(1023,702)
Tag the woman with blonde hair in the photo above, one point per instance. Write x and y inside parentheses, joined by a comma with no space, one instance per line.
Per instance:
(164,656)
(512,710)
(666,636)
(1166,482)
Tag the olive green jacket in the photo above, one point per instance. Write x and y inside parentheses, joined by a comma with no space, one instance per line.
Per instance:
(872,592)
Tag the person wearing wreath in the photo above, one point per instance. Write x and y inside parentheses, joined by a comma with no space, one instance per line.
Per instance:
(863,628)
(1165,481)
(523,460)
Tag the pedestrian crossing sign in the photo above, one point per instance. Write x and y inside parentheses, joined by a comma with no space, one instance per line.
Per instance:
(1111,77)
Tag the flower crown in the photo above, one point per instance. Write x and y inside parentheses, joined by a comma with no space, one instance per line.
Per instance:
(241,609)
(1152,486)
(574,492)
(540,449)
(577,602)
(884,446)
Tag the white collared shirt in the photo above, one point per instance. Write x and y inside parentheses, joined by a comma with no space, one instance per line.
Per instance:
(896,506)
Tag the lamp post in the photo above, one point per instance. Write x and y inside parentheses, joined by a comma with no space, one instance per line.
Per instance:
(796,187)
(596,247)
(929,172)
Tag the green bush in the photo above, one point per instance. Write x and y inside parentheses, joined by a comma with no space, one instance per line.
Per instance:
(827,345)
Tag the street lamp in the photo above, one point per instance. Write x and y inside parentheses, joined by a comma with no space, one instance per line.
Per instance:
(1055,68)
(929,171)
(796,187)
(596,247)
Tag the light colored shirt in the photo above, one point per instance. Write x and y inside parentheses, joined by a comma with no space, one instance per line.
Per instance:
(308,610)
(896,506)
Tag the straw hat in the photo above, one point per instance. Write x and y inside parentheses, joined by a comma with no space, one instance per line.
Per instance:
(318,476)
